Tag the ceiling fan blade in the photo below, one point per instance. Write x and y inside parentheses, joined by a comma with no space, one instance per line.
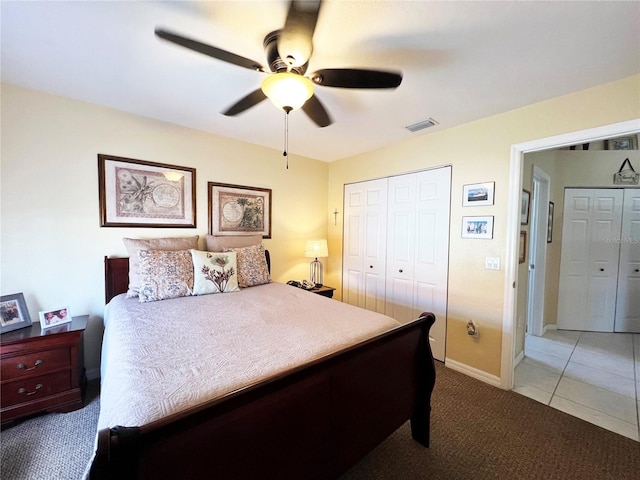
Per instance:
(296,39)
(316,112)
(209,50)
(245,103)
(356,78)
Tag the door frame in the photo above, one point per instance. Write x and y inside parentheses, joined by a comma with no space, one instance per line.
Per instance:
(513,225)
(538,244)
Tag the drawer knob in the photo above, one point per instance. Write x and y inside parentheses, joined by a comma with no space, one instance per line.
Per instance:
(23,391)
(22,366)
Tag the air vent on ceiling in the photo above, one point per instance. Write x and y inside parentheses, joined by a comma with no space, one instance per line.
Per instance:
(430,122)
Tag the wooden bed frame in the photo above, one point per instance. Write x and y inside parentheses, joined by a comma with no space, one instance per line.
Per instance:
(314,422)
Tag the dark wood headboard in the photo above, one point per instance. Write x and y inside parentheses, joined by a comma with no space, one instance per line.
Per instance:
(116,275)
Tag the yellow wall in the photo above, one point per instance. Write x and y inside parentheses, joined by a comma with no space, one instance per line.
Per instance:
(479,152)
(53,247)
(52,243)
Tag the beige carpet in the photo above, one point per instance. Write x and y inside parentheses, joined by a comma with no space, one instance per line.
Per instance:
(478,432)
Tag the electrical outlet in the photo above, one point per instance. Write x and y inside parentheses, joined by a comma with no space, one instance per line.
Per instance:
(473,329)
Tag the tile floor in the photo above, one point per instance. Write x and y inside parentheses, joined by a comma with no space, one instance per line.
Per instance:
(590,375)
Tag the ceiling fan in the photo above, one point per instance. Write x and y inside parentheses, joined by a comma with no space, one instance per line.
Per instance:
(288,51)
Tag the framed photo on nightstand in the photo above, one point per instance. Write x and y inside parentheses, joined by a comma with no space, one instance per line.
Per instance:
(13,313)
(55,317)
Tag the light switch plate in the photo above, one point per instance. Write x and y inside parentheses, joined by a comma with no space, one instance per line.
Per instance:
(492,263)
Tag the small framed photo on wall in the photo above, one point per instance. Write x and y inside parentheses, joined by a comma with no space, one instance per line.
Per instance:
(477,227)
(524,207)
(477,194)
(522,248)
(550,223)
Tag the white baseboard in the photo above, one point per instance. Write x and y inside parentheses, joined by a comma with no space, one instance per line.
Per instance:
(551,326)
(93,374)
(473,372)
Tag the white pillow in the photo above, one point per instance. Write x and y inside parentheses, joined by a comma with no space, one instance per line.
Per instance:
(214,272)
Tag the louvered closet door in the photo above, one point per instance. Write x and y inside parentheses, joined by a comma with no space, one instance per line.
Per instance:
(589,263)
(364,249)
(628,298)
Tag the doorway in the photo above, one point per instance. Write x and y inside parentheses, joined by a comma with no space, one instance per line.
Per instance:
(513,225)
(538,251)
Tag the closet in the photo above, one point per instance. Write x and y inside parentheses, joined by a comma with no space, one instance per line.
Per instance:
(396,247)
(600,264)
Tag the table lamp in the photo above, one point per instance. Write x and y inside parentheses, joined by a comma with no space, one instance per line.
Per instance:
(315,249)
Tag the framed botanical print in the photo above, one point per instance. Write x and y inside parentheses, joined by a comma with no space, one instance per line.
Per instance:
(239,210)
(137,193)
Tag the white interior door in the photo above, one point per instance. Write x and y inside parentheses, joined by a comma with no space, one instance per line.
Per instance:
(364,250)
(399,264)
(589,264)
(401,243)
(628,300)
(538,251)
(431,274)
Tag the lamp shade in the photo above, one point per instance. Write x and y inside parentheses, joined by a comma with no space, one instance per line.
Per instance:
(286,89)
(316,248)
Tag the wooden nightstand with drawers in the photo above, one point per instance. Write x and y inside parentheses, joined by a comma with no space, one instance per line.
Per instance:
(42,370)
(324,290)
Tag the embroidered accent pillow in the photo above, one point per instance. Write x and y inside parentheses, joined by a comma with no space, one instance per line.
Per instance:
(214,272)
(135,244)
(165,274)
(252,266)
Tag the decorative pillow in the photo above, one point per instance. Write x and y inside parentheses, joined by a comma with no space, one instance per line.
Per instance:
(220,243)
(252,266)
(167,244)
(214,272)
(165,274)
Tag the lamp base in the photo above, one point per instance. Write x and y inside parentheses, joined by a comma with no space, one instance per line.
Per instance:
(315,272)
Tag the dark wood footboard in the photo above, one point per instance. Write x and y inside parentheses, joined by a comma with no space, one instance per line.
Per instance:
(314,422)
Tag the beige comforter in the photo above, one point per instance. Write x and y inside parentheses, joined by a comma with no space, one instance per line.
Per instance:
(162,357)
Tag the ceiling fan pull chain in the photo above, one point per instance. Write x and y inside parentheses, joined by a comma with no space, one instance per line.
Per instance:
(286,134)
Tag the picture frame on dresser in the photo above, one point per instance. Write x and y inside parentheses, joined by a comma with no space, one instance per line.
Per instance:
(13,313)
(138,193)
(53,318)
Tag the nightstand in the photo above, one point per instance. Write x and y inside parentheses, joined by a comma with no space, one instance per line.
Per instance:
(324,290)
(42,370)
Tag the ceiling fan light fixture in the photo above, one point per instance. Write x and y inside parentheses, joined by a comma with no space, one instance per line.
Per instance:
(287,90)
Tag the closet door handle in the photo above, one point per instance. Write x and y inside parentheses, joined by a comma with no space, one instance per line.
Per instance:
(370,266)
(400,270)
(637,270)
(602,269)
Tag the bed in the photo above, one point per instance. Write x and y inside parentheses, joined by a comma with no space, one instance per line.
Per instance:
(309,417)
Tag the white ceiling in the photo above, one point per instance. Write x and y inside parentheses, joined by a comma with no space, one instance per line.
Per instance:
(461,61)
